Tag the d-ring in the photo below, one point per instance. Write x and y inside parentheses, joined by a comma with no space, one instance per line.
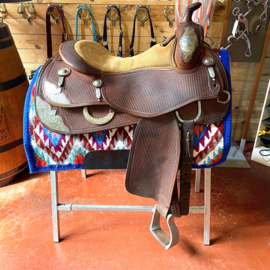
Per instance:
(197,117)
(228,98)
(97,121)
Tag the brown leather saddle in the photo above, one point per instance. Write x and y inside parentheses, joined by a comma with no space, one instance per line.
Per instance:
(180,82)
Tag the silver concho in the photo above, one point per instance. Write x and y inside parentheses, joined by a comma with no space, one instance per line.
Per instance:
(98,84)
(208,61)
(188,42)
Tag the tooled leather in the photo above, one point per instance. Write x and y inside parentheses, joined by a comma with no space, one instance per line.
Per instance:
(73,117)
(79,125)
(78,88)
(151,93)
(74,61)
(151,176)
(180,63)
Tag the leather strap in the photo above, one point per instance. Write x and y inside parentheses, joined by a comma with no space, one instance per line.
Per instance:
(153,39)
(186,166)
(105,36)
(95,37)
(48,28)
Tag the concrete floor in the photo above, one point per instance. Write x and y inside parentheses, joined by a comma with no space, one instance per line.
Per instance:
(240,225)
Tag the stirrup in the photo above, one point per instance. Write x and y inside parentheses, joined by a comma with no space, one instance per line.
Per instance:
(166,241)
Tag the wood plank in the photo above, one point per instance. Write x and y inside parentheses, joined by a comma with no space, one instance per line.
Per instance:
(237,132)
(18,26)
(39,42)
(30,66)
(37,27)
(245,103)
(98,12)
(105,2)
(259,77)
(245,87)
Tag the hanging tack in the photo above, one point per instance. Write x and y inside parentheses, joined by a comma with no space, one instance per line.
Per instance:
(53,16)
(3,12)
(167,15)
(31,9)
(88,16)
(109,15)
(143,19)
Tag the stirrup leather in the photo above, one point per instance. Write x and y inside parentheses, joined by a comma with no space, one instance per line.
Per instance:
(165,240)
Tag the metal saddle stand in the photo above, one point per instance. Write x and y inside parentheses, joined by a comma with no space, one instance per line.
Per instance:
(118,160)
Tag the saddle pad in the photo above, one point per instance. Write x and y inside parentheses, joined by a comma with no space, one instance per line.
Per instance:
(48,151)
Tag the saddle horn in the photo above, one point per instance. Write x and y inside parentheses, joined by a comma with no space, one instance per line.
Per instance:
(190,39)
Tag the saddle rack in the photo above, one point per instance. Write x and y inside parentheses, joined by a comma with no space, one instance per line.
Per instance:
(165,240)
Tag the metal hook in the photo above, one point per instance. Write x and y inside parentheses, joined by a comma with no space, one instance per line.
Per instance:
(84,18)
(21,10)
(109,15)
(55,17)
(3,12)
(169,19)
(143,19)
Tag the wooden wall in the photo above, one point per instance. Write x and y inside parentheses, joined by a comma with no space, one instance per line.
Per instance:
(31,43)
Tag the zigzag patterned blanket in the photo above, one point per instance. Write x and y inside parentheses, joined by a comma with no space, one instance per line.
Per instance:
(48,151)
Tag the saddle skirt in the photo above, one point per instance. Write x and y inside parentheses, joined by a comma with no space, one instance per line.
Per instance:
(86,89)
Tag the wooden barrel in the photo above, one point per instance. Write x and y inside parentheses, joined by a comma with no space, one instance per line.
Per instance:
(13,88)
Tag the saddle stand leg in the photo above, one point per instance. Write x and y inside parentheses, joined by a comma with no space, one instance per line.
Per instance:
(167,242)
(84,173)
(207,204)
(197,180)
(55,213)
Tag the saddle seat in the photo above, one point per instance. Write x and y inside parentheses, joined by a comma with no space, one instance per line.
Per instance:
(91,58)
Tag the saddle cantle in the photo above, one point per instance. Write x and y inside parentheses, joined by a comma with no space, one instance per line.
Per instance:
(86,89)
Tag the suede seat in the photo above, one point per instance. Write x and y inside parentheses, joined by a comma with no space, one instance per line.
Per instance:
(91,58)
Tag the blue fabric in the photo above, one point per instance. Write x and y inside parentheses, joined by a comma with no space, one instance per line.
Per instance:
(30,153)
(227,120)
(93,26)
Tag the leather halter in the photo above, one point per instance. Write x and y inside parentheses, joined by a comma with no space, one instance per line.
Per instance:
(95,38)
(48,28)
(153,38)
(105,40)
